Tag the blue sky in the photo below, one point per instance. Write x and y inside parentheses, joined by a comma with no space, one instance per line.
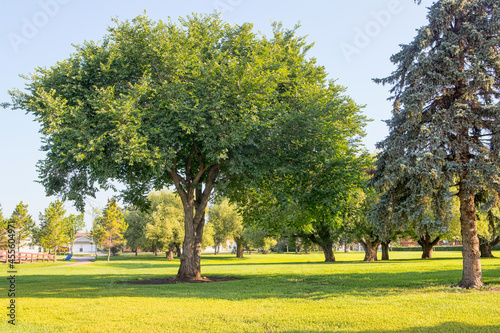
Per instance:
(353,40)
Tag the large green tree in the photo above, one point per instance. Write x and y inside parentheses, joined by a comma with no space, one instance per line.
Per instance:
(444,135)
(192,104)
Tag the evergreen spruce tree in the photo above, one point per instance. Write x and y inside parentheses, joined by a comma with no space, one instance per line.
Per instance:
(444,132)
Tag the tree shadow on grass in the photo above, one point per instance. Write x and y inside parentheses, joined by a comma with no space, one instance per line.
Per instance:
(448,327)
(249,286)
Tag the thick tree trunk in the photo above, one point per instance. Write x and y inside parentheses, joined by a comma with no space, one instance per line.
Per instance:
(239,247)
(328,252)
(370,248)
(427,245)
(385,250)
(136,252)
(194,196)
(169,254)
(190,267)
(471,273)
(426,251)
(178,251)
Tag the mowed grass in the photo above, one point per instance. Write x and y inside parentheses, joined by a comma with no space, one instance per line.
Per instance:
(274,293)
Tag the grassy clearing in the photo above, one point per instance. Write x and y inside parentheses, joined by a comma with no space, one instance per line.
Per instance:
(275,293)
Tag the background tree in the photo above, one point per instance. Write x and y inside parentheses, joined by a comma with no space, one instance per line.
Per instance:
(363,229)
(444,134)
(208,237)
(428,231)
(258,239)
(311,198)
(3,231)
(74,224)
(109,228)
(489,222)
(23,224)
(164,223)
(192,104)
(54,228)
(226,223)
(135,235)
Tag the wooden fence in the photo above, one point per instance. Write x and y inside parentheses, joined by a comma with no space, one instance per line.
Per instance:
(24,257)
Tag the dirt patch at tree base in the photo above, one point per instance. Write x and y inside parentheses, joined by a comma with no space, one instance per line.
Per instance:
(174,280)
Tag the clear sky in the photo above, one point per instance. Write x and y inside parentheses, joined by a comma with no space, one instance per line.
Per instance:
(353,40)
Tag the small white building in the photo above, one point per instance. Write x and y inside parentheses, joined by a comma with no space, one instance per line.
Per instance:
(83,244)
(28,247)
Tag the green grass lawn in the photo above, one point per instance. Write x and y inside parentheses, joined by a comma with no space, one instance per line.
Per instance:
(274,293)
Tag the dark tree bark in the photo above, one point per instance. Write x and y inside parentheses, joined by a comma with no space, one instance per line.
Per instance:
(178,251)
(328,252)
(427,245)
(239,247)
(385,250)
(370,248)
(135,252)
(194,200)
(486,247)
(471,273)
(323,238)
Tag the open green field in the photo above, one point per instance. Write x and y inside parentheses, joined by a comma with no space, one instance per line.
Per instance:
(274,293)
